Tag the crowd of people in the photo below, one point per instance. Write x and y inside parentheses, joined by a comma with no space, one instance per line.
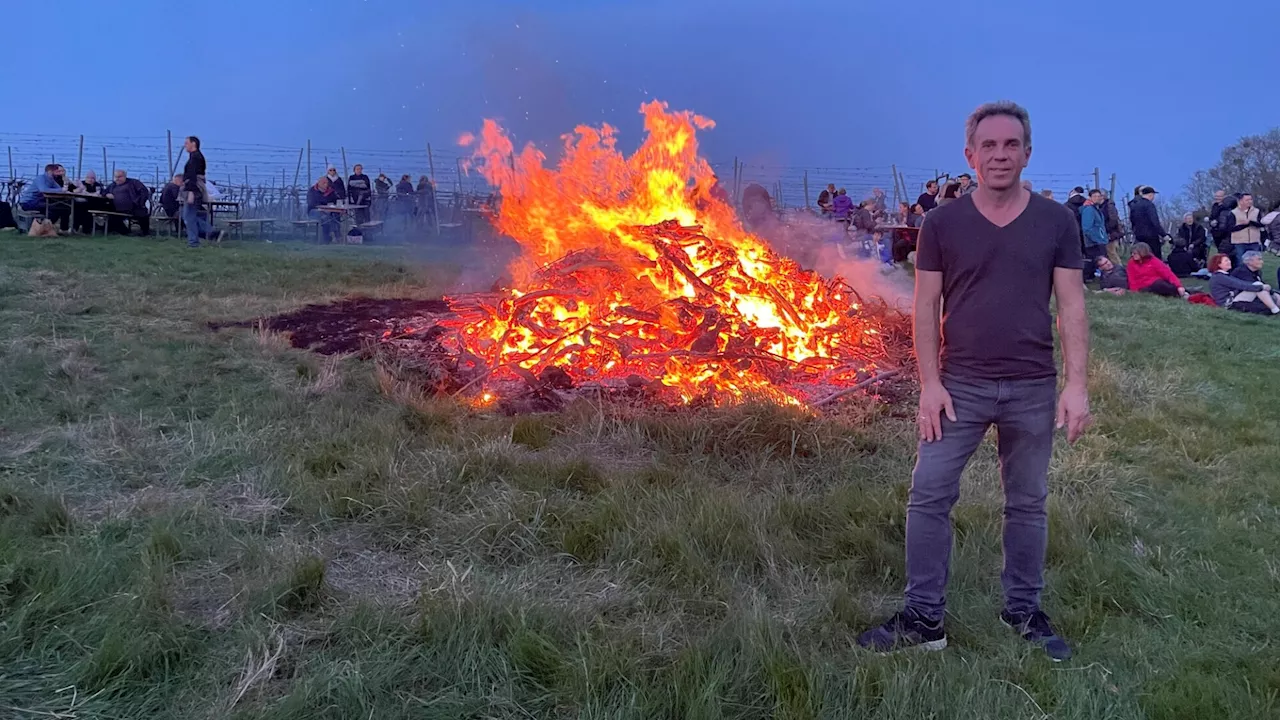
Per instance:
(1235,227)
(126,202)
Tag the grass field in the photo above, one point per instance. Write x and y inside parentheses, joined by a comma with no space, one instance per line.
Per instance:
(210,525)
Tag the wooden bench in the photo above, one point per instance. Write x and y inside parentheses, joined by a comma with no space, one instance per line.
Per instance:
(306,227)
(265,226)
(106,216)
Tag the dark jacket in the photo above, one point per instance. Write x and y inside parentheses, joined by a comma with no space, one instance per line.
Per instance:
(1074,203)
(824,198)
(382,185)
(1117,278)
(1182,262)
(927,201)
(316,197)
(1215,216)
(1145,220)
(338,187)
(1242,272)
(404,187)
(131,197)
(1223,287)
(359,188)
(92,188)
(169,199)
(193,171)
(1192,234)
(1115,230)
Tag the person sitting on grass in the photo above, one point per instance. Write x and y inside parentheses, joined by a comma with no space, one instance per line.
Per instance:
(1243,293)
(1250,270)
(1112,278)
(1181,261)
(322,194)
(1195,238)
(1149,274)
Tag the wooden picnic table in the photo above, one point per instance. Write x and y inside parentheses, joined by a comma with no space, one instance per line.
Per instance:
(228,204)
(65,199)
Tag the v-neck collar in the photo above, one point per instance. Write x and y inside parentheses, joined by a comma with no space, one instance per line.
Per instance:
(988,220)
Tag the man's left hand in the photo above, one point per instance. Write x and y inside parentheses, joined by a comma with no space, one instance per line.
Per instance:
(1073,411)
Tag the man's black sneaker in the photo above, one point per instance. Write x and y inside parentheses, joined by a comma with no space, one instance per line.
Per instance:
(905,630)
(1034,627)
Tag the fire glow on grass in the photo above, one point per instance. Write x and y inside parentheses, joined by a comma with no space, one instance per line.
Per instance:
(638,267)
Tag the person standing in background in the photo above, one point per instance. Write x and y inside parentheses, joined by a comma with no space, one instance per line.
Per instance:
(1145,220)
(195,194)
(359,192)
(1093,229)
(929,198)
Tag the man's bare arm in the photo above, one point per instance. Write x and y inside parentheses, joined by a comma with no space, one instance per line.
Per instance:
(1073,325)
(928,317)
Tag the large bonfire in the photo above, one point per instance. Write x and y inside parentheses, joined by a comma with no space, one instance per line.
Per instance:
(635,269)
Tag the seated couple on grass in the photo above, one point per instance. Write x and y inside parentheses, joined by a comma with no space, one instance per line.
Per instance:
(1241,289)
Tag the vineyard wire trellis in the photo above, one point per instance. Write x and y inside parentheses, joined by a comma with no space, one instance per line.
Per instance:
(271,179)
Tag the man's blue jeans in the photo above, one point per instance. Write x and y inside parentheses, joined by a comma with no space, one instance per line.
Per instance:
(1023,412)
(196,223)
(1238,251)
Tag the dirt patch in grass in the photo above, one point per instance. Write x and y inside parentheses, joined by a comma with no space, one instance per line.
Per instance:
(345,326)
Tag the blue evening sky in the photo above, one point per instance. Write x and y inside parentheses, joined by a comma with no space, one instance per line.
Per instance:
(1136,90)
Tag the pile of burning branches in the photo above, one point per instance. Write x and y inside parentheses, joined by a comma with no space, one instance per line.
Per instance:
(593,319)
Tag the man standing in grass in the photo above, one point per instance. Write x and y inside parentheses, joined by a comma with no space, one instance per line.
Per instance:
(195,193)
(985,268)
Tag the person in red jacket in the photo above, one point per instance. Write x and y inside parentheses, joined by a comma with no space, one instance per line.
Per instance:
(1148,273)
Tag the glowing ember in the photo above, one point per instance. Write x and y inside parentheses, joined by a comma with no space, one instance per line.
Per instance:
(635,268)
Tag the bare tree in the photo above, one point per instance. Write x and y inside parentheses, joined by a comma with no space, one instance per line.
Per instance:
(1198,192)
(1251,165)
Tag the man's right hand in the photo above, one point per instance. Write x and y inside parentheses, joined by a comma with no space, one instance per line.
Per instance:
(934,400)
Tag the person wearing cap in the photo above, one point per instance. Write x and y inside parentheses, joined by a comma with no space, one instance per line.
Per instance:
(967,185)
(1246,228)
(1145,219)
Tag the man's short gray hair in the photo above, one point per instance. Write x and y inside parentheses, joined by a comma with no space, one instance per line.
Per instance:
(1251,255)
(1002,107)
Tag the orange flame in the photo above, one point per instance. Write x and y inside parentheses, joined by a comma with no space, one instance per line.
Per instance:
(638,265)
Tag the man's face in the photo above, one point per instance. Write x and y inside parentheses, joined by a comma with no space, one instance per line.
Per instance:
(998,153)
(190,146)
(931,187)
(1246,202)
(359,169)
(1219,196)
(120,177)
(964,181)
(59,172)
(177,179)
(323,184)
(1105,265)
(1095,198)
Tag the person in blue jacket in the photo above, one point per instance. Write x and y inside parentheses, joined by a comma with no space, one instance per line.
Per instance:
(1093,229)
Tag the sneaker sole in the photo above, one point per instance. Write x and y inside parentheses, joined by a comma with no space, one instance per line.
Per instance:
(929,646)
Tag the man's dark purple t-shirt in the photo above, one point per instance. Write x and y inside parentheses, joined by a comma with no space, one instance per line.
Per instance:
(996,285)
